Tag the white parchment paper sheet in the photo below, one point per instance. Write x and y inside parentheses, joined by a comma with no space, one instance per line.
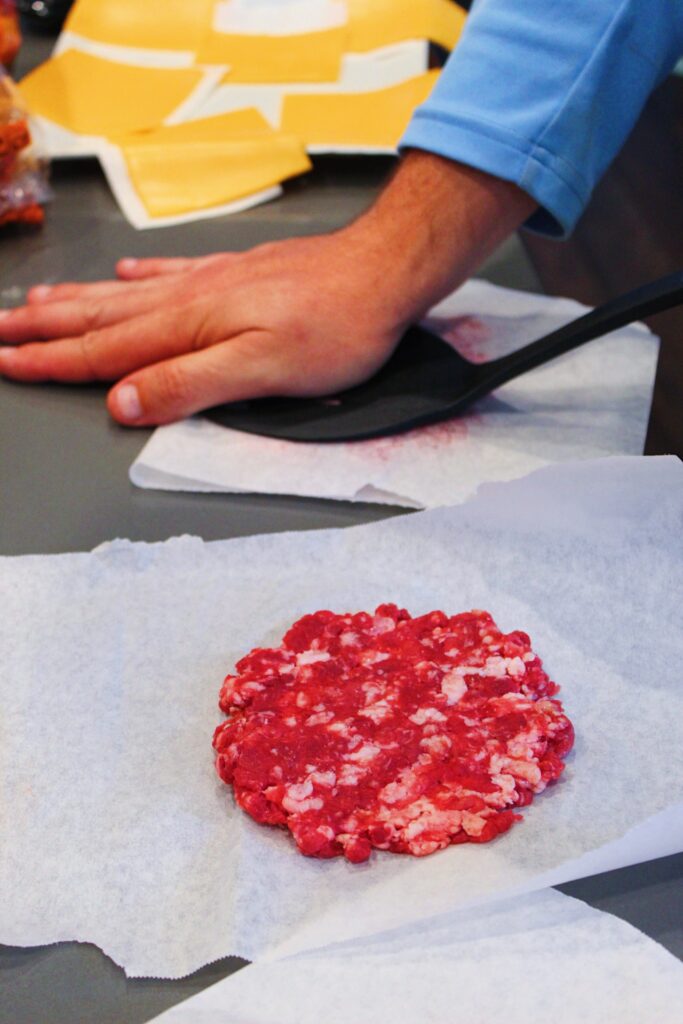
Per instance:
(590,403)
(544,957)
(117,831)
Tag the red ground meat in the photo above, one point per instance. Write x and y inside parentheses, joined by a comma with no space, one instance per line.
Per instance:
(404,734)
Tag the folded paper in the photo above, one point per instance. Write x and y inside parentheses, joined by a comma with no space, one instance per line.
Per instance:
(543,957)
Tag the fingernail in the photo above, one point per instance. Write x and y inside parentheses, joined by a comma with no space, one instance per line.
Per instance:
(128,402)
(128,264)
(41,291)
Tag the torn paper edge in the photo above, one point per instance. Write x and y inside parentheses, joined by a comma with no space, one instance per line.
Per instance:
(151,478)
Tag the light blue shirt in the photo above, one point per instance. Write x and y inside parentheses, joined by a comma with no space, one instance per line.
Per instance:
(544,93)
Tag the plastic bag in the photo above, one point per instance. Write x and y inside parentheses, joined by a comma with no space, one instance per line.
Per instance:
(23,175)
(10,37)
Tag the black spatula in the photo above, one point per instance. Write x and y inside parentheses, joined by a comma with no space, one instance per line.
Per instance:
(426,380)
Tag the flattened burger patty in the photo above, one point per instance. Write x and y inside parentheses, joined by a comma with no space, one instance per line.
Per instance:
(387,731)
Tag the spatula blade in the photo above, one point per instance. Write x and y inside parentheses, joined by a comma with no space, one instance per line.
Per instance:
(416,386)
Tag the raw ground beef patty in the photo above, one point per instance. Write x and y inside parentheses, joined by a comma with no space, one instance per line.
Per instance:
(406,734)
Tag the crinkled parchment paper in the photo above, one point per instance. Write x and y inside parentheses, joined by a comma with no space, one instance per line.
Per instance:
(116,830)
(541,957)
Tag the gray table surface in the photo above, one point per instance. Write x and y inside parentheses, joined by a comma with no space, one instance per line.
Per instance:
(64,487)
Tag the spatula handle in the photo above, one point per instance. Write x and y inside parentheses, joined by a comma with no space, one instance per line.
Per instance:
(659,295)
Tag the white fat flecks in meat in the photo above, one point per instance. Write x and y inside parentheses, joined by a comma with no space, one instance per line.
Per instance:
(453,687)
(320,718)
(365,754)
(437,746)
(312,803)
(311,657)
(382,624)
(473,824)
(406,787)
(373,657)
(423,715)
(326,779)
(350,775)
(341,728)
(528,771)
(377,712)
(372,691)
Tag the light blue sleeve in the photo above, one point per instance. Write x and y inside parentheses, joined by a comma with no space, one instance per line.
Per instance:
(544,93)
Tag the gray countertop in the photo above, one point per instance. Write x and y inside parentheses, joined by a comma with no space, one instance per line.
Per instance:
(64,487)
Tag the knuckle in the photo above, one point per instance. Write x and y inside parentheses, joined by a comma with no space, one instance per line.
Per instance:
(93,315)
(171,387)
(195,326)
(88,346)
(90,353)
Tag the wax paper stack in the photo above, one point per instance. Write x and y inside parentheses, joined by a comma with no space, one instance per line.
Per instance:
(206,108)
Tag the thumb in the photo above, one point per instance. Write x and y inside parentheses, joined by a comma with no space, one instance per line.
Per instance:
(175,388)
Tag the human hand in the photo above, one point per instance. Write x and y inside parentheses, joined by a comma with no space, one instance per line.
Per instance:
(299,318)
(303,317)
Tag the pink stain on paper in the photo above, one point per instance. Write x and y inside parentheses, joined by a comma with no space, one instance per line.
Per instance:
(468,335)
(436,437)
(471,338)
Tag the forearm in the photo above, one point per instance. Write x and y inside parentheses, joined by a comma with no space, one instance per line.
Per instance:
(544,93)
(432,227)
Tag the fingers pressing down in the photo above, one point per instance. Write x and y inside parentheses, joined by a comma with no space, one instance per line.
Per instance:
(102,354)
(175,388)
(69,318)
